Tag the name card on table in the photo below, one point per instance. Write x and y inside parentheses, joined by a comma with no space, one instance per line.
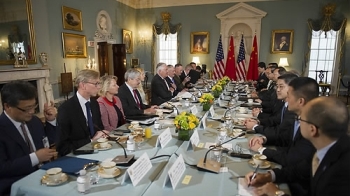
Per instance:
(194,110)
(194,140)
(164,138)
(137,170)
(211,112)
(202,123)
(175,172)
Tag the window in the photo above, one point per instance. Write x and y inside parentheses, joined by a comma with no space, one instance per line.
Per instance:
(323,54)
(166,51)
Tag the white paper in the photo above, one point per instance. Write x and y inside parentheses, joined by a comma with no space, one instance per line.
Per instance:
(203,123)
(194,138)
(211,111)
(139,169)
(164,138)
(176,171)
(194,110)
(227,145)
(185,95)
(243,188)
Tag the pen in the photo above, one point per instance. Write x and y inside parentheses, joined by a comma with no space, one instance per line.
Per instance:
(254,175)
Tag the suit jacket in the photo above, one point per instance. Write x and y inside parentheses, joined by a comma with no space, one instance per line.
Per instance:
(262,82)
(15,162)
(159,90)
(195,76)
(129,104)
(178,83)
(73,129)
(332,176)
(274,118)
(176,91)
(288,151)
(109,115)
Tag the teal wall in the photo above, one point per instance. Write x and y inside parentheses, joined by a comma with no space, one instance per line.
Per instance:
(48,27)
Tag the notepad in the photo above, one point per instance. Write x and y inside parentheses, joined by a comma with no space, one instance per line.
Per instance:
(69,165)
(243,188)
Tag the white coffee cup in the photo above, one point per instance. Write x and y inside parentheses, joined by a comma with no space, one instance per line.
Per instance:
(242,109)
(54,173)
(108,167)
(259,159)
(134,123)
(103,142)
(250,100)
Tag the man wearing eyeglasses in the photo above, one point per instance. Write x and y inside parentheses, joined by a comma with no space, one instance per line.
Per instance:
(79,118)
(24,141)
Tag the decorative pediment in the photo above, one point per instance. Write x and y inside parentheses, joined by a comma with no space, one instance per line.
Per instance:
(241,10)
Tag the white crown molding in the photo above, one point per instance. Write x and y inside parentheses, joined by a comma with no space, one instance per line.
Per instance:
(241,10)
(140,4)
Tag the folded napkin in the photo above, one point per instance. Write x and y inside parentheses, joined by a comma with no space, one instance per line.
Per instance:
(69,165)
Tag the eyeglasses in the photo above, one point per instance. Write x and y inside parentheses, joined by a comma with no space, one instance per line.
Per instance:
(27,110)
(96,83)
(299,119)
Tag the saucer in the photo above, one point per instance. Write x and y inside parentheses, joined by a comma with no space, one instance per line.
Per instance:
(265,165)
(98,147)
(45,180)
(102,173)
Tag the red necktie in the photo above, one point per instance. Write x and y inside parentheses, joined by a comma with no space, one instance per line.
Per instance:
(137,99)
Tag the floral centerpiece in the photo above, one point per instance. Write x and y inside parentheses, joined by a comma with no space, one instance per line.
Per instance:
(185,124)
(216,89)
(206,100)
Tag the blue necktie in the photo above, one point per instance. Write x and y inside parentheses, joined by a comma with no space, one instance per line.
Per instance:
(282,113)
(296,127)
(89,118)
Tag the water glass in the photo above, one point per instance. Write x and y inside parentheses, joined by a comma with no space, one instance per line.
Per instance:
(215,155)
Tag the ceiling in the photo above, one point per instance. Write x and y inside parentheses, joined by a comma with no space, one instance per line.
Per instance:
(139,4)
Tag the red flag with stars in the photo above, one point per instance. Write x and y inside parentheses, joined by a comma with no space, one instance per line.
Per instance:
(253,63)
(230,69)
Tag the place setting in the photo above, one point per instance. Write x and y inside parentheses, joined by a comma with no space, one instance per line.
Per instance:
(108,169)
(259,160)
(102,144)
(54,177)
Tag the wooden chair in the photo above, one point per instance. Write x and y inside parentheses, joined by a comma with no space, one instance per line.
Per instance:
(321,77)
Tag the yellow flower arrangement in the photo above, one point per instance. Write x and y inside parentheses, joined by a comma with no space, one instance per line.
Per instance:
(217,88)
(206,98)
(186,121)
(226,79)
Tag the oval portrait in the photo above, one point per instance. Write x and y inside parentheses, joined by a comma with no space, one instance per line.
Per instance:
(103,22)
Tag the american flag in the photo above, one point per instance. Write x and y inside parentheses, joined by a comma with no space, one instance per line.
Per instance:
(219,67)
(240,69)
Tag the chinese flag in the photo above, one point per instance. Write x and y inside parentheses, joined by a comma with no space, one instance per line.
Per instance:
(230,69)
(253,63)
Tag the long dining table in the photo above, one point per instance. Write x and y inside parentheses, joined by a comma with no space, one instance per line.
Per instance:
(153,183)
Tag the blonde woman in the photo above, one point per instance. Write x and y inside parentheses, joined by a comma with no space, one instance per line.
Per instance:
(140,88)
(112,113)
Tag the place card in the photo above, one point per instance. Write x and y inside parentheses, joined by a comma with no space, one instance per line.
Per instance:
(194,110)
(137,170)
(211,112)
(194,140)
(186,179)
(203,122)
(175,172)
(164,138)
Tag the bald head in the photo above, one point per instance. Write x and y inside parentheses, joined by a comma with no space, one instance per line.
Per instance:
(329,114)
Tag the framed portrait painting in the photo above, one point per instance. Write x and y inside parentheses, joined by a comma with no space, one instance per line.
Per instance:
(282,41)
(199,43)
(74,45)
(71,19)
(104,23)
(128,41)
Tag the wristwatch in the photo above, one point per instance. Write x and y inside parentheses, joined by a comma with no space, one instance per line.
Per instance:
(279,193)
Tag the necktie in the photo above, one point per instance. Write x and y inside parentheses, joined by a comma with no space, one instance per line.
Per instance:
(296,127)
(315,164)
(89,118)
(26,138)
(173,81)
(137,99)
(282,113)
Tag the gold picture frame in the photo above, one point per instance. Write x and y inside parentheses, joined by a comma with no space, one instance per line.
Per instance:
(199,42)
(71,19)
(128,41)
(282,41)
(74,45)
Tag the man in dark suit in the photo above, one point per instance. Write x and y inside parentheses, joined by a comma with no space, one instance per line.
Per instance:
(172,82)
(130,96)
(324,122)
(291,147)
(24,141)
(179,83)
(79,118)
(190,74)
(161,91)
(262,80)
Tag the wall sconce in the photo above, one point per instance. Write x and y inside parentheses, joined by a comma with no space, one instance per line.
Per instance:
(283,62)
(91,64)
(195,59)
(143,37)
